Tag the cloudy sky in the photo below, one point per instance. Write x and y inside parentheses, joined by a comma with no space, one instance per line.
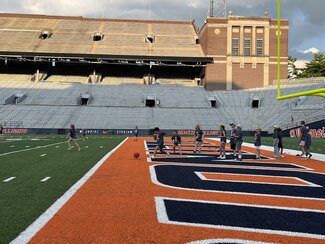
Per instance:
(307,21)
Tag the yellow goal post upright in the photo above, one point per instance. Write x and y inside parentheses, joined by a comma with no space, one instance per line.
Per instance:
(317,92)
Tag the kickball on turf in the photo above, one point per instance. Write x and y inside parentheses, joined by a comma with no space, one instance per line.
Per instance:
(136,155)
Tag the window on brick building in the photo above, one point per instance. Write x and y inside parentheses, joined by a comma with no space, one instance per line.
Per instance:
(235,47)
(259,47)
(247,46)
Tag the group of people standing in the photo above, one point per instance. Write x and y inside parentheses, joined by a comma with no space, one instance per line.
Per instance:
(236,141)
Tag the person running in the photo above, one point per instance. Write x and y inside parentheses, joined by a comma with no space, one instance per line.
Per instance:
(136,132)
(258,143)
(223,141)
(280,146)
(239,141)
(308,144)
(159,137)
(177,140)
(1,130)
(276,141)
(72,137)
(233,139)
(302,138)
(198,138)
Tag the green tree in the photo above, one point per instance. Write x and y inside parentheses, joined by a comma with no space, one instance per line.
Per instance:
(315,68)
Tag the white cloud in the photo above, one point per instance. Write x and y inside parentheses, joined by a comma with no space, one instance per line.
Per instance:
(310,50)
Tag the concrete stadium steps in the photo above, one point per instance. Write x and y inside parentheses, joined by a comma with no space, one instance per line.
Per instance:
(54,105)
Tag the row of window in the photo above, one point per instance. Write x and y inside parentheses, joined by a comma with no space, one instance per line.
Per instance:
(247,47)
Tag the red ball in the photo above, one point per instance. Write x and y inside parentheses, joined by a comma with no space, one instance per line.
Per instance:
(136,155)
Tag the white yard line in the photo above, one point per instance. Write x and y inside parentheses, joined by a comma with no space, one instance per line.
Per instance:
(46,179)
(42,220)
(9,179)
(43,155)
(33,148)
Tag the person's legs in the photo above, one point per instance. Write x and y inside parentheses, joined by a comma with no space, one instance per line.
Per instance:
(223,151)
(75,142)
(196,145)
(69,144)
(156,149)
(180,149)
(302,148)
(238,148)
(199,145)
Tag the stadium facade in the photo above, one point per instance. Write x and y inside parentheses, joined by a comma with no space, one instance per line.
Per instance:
(108,75)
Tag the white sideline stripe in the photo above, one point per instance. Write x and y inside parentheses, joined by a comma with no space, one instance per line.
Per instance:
(33,148)
(46,179)
(316,156)
(42,220)
(9,179)
(43,155)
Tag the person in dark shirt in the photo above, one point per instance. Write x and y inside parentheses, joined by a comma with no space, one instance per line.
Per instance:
(1,130)
(159,137)
(72,135)
(280,142)
(136,132)
(177,140)
(276,141)
(302,138)
(233,139)
(198,138)
(308,144)
(239,141)
(223,141)
(258,143)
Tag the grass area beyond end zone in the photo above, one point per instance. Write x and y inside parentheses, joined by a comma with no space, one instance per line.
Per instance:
(318,145)
(25,198)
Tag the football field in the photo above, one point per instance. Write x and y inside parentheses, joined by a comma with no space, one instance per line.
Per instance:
(103,194)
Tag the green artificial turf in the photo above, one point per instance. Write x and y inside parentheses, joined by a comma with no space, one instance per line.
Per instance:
(25,198)
(318,145)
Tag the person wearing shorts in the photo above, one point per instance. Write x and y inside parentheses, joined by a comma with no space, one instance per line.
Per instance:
(258,143)
(302,138)
(239,141)
(233,139)
(276,141)
(223,141)
(198,138)
(159,137)
(136,132)
(72,136)
(177,140)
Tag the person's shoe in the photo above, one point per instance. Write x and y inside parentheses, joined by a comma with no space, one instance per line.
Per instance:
(194,151)
(310,155)
(224,157)
(79,149)
(69,149)
(219,157)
